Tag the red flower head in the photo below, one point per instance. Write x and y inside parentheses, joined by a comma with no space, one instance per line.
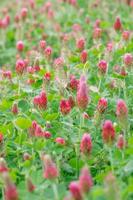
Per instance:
(30,186)
(85,180)
(128,59)
(73,82)
(83,56)
(118,24)
(47,76)
(20,45)
(82,93)
(15,109)
(108,132)
(47,134)
(60,141)
(102,66)
(121,109)
(20,67)
(80,44)
(65,107)
(50,169)
(1,137)
(75,190)
(71,101)
(86,144)
(41,100)
(121,142)
(102,105)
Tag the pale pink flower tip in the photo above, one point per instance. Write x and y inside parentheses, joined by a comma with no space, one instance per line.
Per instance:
(86,144)
(85,180)
(121,109)
(108,132)
(75,190)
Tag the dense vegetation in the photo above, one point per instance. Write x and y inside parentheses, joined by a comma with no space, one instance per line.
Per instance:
(66,106)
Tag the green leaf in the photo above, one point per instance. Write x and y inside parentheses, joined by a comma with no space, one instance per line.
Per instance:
(22,123)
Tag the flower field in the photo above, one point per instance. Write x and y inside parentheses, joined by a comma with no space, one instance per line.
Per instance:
(66,100)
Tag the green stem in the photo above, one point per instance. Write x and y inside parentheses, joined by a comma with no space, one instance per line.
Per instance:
(77,160)
(111,159)
(99,86)
(56,197)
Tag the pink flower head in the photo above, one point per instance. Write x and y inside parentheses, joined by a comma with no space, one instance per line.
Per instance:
(48,51)
(17,18)
(97,33)
(83,56)
(65,107)
(120,142)
(121,109)
(86,144)
(128,59)
(43,44)
(75,190)
(3,165)
(82,93)
(126,35)
(50,169)
(10,189)
(102,66)
(108,132)
(85,180)
(30,70)
(97,23)
(20,45)
(80,44)
(24,13)
(38,131)
(110,46)
(76,27)
(20,66)
(59,62)
(7,74)
(118,24)
(102,105)
(32,4)
(85,115)
(60,141)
